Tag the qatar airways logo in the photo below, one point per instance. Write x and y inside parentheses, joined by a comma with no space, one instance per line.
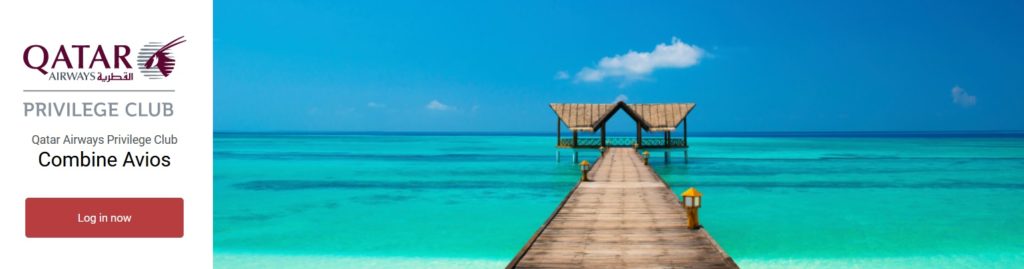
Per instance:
(103,63)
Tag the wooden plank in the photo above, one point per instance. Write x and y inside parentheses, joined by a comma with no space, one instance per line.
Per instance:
(625,217)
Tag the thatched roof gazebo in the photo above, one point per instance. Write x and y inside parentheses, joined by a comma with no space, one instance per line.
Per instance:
(664,118)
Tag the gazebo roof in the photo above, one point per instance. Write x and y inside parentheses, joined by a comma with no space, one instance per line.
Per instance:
(583,117)
(651,117)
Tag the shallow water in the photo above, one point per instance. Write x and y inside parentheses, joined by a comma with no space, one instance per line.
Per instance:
(472,201)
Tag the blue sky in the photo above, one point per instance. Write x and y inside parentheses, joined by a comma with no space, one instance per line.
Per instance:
(749,65)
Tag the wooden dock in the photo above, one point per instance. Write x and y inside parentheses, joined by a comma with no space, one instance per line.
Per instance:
(626,216)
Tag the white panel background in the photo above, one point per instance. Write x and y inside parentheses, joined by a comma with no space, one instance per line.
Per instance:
(190,177)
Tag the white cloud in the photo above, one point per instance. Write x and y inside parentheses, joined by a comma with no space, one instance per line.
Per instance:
(562,75)
(437,105)
(638,65)
(961,97)
(375,105)
(621,98)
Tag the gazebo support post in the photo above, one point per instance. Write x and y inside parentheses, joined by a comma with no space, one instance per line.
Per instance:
(685,135)
(639,135)
(602,135)
(575,138)
(558,131)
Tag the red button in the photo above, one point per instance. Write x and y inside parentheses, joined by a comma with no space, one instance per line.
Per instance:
(104,217)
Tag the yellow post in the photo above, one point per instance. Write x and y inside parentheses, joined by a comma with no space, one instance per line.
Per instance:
(602,150)
(692,222)
(691,202)
(585,168)
(647,156)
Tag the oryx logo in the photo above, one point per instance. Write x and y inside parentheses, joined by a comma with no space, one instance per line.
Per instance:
(155,59)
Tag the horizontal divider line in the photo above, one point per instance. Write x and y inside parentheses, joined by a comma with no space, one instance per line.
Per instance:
(100,90)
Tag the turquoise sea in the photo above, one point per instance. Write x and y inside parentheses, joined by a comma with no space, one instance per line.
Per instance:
(471,201)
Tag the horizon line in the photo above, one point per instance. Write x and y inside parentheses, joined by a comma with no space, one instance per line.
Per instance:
(961,133)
